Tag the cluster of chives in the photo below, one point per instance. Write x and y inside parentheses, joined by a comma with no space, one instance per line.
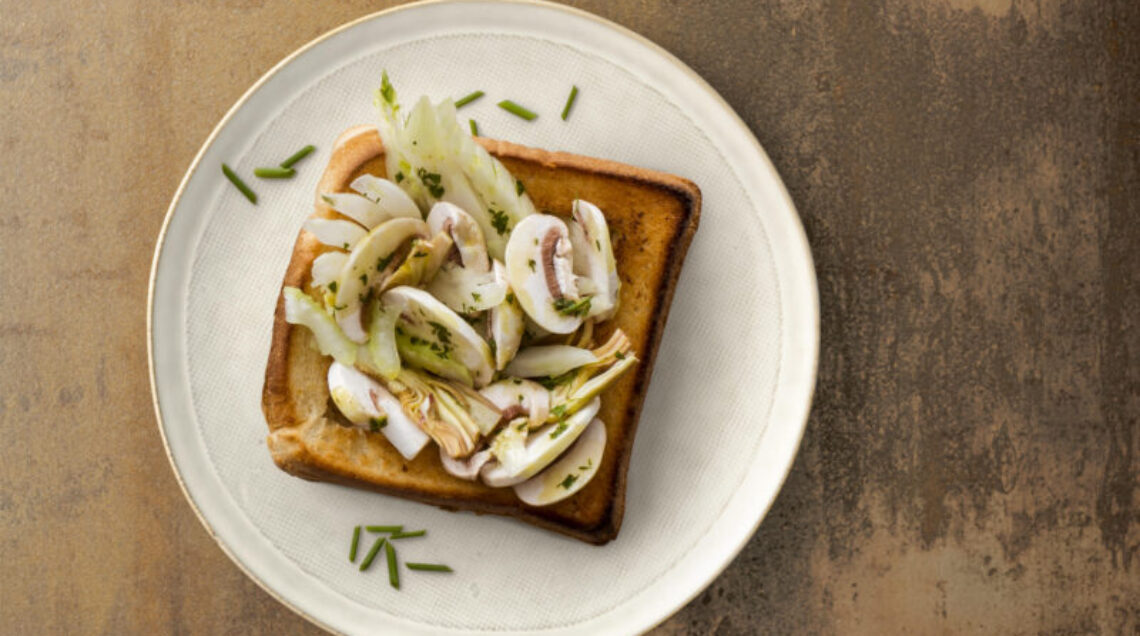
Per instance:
(514,108)
(283,170)
(393,533)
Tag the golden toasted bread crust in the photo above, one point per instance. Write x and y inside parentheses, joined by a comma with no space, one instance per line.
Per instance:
(652,218)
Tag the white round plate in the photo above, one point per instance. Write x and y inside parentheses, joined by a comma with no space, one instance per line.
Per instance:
(730,390)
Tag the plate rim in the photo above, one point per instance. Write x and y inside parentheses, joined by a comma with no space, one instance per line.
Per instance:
(801,246)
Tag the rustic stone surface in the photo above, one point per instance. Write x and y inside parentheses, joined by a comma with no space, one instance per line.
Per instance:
(968,172)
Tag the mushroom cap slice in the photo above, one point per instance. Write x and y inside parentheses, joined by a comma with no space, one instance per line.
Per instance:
(539,262)
(594,257)
(464,231)
(543,446)
(516,397)
(467,469)
(570,473)
(367,267)
(446,337)
(366,403)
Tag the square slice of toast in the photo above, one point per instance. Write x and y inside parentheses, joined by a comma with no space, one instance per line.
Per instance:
(652,217)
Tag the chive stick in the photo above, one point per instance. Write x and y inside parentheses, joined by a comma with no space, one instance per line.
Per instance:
(405,535)
(517,110)
(474,127)
(467,99)
(428,567)
(372,553)
(393,566)
(239,184)
(274,173)
(297,156)
(387,529)
(355,543)
(569,102)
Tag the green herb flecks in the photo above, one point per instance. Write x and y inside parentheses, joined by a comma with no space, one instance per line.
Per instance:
(519,187)
(239,184)
(569,481)
(431,181)
(467,99)
(387,93)
(408,535)
(499,220)
(441,332)
(517,110)
(377,423)
(530,263)
(474,127)
(568,307)
(332,286)
(558,430)
(382,264)
(476,296)
(569,102)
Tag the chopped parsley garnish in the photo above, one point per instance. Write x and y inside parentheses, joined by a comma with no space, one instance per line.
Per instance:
(510,297)
(476,296)
(332,286)
(431,181)
(558,430)
(441,332)
(419,254)
(520,398)
(569,481)
(364,279)
(598,244)
(531,263)
(399,330)
(553,381)
(619,355)
(382,264)
(499,220)
(558,411)
(346,246)
(519,187)
(568,307)
(399,177)
(521,426)
(375,424)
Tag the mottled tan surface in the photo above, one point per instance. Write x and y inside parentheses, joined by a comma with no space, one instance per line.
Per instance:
(968,172)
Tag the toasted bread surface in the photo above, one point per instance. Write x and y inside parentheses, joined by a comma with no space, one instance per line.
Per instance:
(652,218)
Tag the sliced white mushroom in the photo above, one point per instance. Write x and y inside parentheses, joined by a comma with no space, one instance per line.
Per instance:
(539,264)
(326,267)
(438,338)
(367,269)
(506,321)
(300,309)
(515,397)
(368,405)
(466,469)
(594,258)
(464,231)
(570,473)
(393,201)
(336,233)
(543,446)
(551,360)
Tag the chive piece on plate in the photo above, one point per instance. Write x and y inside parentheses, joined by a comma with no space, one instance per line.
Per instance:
(384,528)
(467,99)
(569,102)
(428,567)
(297,156)
(474,127)
(517,110)
(393,566)
(239,184)
(405,535)
(372,553)
(355,544)
(274,173)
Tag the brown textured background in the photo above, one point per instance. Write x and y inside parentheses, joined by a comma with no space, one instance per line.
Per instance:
(968,173)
